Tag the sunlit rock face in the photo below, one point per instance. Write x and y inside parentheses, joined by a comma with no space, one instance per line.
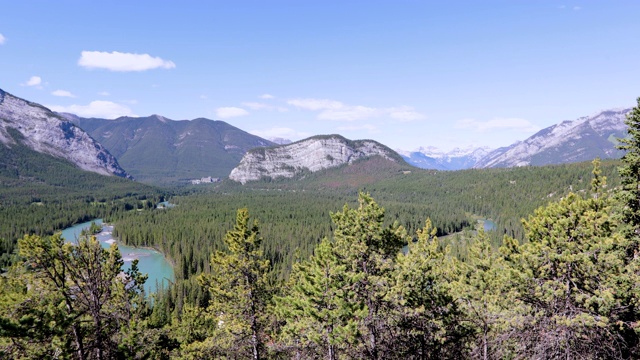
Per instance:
(312,154)
(578,140)
(47,132)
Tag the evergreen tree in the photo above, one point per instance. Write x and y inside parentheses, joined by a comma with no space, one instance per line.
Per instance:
(630,178)
(318,320)
(238,295)
(427,321)
(480,288)
(572,282)
(367,249)
(77,302)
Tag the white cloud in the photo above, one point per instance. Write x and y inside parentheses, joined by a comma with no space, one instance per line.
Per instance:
(316,104)
(368,127)
(34,81)
(280,132)
(263,106)
(405,114)
(2,39)
(203,97)
(516,124)
(576,8)
(63,93)
(338,111)
(117,61)
(266,96)
(349,113)
(229,112)
(104,93)
(97,108)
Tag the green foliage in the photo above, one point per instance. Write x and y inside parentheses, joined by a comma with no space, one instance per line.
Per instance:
(172,152)
(238,288)
(40,195)
(74,301)
(630,176)
(428,323)
(318,318)
(573,283)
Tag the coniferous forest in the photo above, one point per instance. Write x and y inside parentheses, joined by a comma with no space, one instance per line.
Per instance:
(359,262)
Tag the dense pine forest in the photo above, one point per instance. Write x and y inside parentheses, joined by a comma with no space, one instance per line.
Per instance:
(360,262)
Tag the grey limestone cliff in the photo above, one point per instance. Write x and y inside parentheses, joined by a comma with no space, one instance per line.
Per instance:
(47,132)
(312,154)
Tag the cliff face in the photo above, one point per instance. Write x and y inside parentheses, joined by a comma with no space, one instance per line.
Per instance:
(582,139)
(46,132)
(312,154)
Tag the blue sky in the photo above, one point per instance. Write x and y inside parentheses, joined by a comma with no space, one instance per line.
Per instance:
(405,73)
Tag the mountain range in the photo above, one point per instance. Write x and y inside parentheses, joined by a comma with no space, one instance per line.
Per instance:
(433,158)
(158,150)
(26,125)
(570,141)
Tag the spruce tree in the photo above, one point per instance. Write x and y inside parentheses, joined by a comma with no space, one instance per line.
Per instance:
(367,249)
(629,195)
(318,319)
(238,294)
(572,282)
(427,322)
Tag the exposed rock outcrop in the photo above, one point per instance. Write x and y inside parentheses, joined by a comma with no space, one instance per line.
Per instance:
(47,132)
(582,139)
(312,154)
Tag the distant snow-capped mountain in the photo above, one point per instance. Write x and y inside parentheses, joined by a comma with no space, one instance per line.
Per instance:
(279,140)
(431,157)
(582,139)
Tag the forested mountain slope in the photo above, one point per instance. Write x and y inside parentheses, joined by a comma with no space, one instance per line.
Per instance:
(158,150)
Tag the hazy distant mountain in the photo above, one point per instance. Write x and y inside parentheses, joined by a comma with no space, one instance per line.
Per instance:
(312,154)
(280,141)
(155,149)
(30,125)
(433,158)
(570,141)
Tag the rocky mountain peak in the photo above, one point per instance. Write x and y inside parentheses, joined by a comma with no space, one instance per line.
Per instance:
(582,139)
(312,154)
(47,132)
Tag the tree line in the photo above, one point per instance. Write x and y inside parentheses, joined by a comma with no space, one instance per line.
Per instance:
(568,287)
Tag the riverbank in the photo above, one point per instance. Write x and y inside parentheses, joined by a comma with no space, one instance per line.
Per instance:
(154,263)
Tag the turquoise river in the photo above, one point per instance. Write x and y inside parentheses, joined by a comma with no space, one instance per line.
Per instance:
(150,261)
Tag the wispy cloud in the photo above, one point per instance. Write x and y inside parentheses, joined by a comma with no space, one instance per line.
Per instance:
(263,106)
(316,104)
(368,127)
(2,39)
(62,93)
(230,112)
(517,124)
(405,114)
(338,111)
(349,113)
(34,81)
(577,8)
(97,108)
(266,96)
(122,62)
(280,132)
(104,93)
